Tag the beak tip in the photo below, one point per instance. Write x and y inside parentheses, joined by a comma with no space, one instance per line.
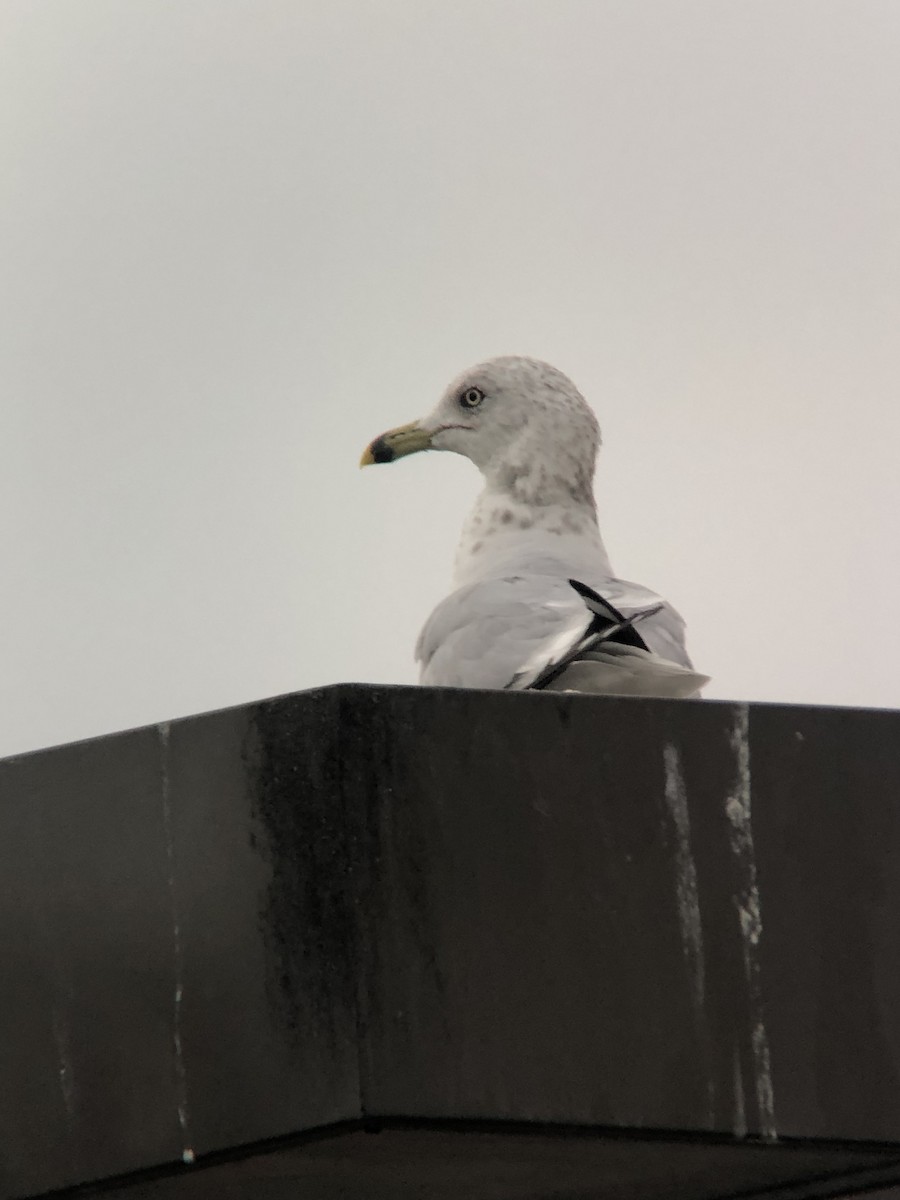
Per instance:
(378,451)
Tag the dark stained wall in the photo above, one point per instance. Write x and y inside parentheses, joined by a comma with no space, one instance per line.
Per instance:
(377,903)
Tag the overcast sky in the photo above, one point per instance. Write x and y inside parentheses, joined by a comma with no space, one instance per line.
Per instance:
(239,238)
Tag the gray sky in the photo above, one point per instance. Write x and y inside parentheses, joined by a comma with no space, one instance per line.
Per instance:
(242,237)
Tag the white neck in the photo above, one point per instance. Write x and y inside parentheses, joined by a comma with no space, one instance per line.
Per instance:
(503,536)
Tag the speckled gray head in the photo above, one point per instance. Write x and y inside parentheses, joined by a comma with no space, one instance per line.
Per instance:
(515,418)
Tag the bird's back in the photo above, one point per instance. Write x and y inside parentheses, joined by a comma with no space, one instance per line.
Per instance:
(505,632)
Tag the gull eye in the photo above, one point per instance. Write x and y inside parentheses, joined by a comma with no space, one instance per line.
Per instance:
(471,397)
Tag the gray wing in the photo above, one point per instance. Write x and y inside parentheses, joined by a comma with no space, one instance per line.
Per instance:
(484,634)
(664,632)
(502,633)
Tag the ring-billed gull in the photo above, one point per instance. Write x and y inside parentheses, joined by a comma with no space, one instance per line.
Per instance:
(536,601)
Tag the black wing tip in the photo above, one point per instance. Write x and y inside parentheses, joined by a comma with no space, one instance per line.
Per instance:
(597,604)
(608,618)
(583,590)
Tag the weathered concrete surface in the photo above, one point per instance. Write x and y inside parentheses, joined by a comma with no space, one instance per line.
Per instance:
(425,906)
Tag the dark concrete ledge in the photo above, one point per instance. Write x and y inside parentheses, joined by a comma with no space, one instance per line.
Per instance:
(550,945)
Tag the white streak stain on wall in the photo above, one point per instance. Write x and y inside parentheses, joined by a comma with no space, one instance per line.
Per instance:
(686,873)
(738,809)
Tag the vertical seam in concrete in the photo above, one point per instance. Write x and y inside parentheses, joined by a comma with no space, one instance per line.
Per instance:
(187,1152)
(53,949)
(738,810)
(357,863)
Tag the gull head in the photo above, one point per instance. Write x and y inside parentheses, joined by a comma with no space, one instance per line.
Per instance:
(523,423)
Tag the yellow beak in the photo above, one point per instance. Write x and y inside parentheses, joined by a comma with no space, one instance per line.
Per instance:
(407,439)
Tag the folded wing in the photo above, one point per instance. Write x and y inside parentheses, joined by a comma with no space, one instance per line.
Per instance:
(539,631)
